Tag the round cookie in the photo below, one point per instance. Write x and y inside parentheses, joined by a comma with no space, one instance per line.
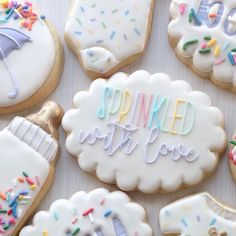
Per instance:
(232,156)
(105,36)
(196,215)
(139,128)
(29,150)
(31,56)
(97,213)
(203,35)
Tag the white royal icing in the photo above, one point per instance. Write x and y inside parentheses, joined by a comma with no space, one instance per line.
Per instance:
(98,213)
(140,128)
(215,19)
(104,34)
(30,65)
(18,144)
(198,215)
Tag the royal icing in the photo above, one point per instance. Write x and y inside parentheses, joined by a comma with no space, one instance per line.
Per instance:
(206,32)
(198,215)
(146,123)
(98,213)
(26,152)
(105,35)
(23,34)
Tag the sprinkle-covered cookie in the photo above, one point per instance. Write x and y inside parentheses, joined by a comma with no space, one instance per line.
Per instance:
(31,56)
(29,150)
(98,213)
(203,34)
(106,35)
(145,131)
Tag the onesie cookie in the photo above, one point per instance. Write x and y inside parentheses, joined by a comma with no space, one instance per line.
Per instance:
(107,35)
(31,56)
(98,213)
(232,156)
(29,150)
(203,35)
(198,215)
(139,128)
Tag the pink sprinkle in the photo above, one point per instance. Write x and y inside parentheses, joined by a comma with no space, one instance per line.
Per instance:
(102,202)
(219,61)
(204,45)
(29,181)
(29,4)
(74,221)
(9,190)
(37,180)
(2,231)
(234,56)
(182,9)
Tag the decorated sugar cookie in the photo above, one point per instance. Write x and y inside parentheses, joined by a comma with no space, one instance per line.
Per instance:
(232,156)
(203,34)
(31,56)
(98,213)
(145,131)
(198,215)
(29,150)
(107,35)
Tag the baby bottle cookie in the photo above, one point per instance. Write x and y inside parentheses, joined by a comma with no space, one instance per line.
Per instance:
(28,156)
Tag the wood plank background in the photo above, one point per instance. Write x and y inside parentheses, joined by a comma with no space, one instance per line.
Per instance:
(159,57)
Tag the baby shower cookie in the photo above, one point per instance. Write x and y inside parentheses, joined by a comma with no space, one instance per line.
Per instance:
(31,56)
(29,150)
(197,215)
(98,213)
(145,132)
(203,35)
(232,156)
(107,35)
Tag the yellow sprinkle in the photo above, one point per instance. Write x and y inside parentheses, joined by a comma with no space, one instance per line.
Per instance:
(33,187)
(45,233)
(20,197)
(217,51)
(212,42)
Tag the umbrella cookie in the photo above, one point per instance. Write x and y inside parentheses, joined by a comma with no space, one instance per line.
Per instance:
(107,35)
(196,215)
(29,73)
(98,213)
(203,35)
(139,128)
(29,150)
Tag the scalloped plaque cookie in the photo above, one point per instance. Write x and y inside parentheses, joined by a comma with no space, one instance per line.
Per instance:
(29,150)
(198,215)
(203,34)
(31,56)
(145,131)
(232,156)
(107,35)
(98,213)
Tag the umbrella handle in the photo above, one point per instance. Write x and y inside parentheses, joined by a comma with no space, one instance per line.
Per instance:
(15,92)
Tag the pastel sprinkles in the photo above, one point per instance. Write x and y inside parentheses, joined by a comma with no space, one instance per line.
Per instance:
(24,13)
(12,199)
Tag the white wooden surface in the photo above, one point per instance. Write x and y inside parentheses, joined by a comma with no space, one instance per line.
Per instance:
(159,57)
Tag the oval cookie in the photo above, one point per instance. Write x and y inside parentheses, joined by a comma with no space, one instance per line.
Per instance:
(29,150)
(31,56)
(203,35)
(98,213)
(106,36)
(145,131)
(196,215)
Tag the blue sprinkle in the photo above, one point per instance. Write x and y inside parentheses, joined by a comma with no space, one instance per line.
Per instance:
(136,31)
(184,223)
(125,37)
(198,218)
(99,41)
(78,33)
(108,213)
(167,213)
(213,222)
(102,12)
(127,12)
(231,59)
(82,9)
(196,19)
(112,34)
